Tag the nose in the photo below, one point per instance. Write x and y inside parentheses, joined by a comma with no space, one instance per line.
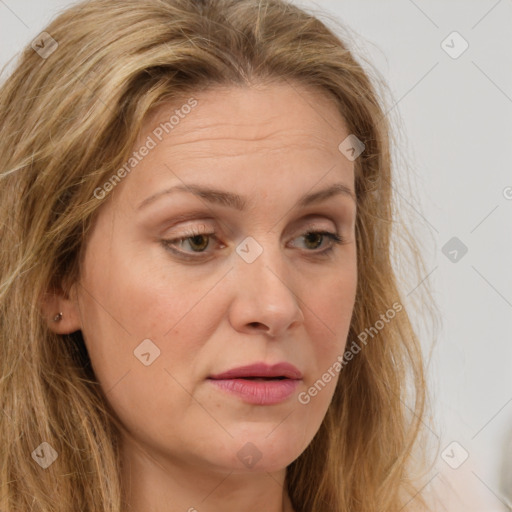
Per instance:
(265,299)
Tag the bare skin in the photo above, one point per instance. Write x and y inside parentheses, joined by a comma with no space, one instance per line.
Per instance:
(182,435)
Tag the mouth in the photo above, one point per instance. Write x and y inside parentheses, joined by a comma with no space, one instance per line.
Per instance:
(259,384)
(262,378)
(262,371)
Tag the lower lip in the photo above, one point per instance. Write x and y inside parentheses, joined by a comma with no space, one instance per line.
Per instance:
(259,392)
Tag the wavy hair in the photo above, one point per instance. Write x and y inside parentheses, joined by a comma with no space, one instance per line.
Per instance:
(70,112)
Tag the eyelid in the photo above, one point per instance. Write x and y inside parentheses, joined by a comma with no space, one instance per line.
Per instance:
(203,229)
(333,236)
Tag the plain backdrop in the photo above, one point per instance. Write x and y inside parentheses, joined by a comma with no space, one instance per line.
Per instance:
(448,65)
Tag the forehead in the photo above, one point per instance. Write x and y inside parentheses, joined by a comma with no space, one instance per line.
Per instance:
(280,136)
(281,112)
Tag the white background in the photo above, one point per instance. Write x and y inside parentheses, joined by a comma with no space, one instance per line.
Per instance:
(456,132)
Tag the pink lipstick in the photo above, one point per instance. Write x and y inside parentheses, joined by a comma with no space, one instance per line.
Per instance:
(260,383)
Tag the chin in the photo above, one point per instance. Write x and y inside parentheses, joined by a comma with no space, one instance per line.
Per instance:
(265,451)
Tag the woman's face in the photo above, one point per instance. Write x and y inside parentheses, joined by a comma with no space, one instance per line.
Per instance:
(246,285)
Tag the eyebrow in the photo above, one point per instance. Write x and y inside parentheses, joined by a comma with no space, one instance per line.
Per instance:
(239,203)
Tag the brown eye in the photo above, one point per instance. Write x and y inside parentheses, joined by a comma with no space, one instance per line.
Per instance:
(312,237)
(314,240)
(199,242)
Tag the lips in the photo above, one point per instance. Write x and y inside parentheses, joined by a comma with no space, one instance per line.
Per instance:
(261,371)
(259,384)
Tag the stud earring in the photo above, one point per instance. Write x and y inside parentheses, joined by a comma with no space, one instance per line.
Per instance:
(58,317)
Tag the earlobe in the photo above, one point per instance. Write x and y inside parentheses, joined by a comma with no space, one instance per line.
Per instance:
(61,311)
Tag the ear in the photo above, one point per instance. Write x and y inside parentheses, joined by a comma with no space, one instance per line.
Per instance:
(57,301)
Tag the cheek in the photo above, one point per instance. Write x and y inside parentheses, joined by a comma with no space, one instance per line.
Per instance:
(134,302)
(333,304)
(139,297)
(144,337)
(329,313)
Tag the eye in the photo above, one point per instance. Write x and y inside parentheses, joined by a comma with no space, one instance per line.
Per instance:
(312,237)
(199,242)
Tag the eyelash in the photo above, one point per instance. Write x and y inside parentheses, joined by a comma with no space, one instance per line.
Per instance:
(335,238)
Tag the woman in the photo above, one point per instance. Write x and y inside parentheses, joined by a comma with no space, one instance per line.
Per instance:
(199,310)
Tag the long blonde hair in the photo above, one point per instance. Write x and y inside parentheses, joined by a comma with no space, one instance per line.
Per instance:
(70,113)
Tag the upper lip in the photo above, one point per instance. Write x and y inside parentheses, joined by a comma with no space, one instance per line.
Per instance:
(286,370)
